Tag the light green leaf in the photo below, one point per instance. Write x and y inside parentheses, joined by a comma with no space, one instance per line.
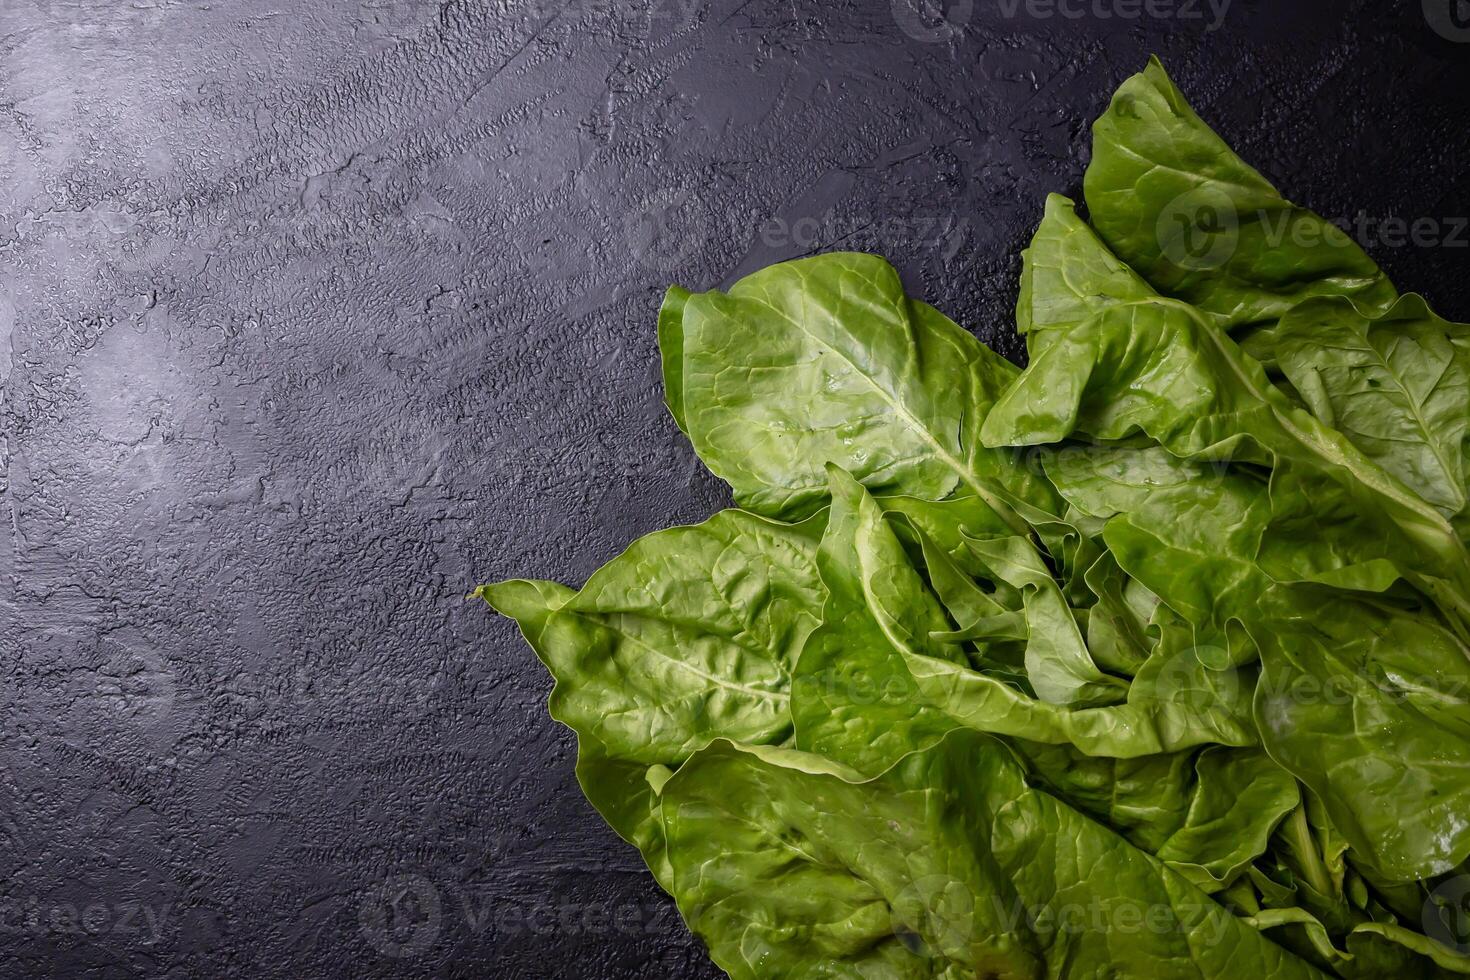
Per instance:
(854,700)
(946,866)
(1160,369)
(1370,707)
(1396,385)
(690,634)
(1240,797)
(1172,200)
(1068,276)
(826,360)
(1177,701)
(1058,666)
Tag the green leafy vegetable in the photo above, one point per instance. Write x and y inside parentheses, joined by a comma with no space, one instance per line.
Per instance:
(1148,661)
(947,865)
(691,634)
(827,360)
(1172,200)
(854,701)
(1395,385)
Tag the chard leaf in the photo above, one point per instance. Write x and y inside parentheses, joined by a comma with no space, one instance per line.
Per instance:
(946,866)
(1145,799)
(1116,634)
(1370,707)
(787,867)
(854,700)
(826,360)
(1203,567)
(1160,369)
(1242,534)
(1312,928)
(1058,666)
(949,526)
(1172,200)
(1345,687)
(967,603)
(1208,813)
(690,634)
(1068,276)
(1369,943)
(1177,701)
(1182,610)
(1396,385)
(1239,798)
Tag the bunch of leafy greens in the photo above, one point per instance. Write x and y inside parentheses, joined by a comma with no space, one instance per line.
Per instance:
(1147,661)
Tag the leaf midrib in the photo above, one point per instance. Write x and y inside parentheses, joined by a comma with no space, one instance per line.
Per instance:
(962,472)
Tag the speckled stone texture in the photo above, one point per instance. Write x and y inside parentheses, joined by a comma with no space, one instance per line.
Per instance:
(315,314)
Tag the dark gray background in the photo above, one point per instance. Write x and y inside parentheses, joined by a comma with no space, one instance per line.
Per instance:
(315,314)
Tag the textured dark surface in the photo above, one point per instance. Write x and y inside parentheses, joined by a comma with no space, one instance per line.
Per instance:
(315,314)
